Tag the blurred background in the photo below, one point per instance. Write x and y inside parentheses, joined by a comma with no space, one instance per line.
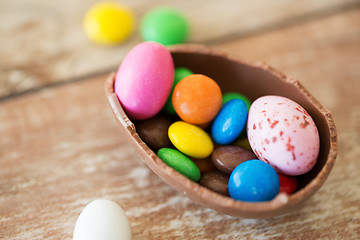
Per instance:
(43,42)
(60,147)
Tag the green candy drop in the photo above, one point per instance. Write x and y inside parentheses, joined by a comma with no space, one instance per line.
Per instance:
(164,25)
(233,95)
(179,74)
(181,163)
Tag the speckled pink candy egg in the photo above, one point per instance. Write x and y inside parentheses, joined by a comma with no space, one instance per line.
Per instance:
(283,134)
(144,80)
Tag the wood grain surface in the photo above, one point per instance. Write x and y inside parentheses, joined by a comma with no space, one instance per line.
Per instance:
(61,148)
(43,41)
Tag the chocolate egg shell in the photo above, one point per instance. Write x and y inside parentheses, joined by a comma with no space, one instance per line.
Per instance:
(234,75)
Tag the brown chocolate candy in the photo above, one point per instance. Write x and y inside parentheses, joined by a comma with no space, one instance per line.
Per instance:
(227,158)
(154,131)
(204,164)
(215,181)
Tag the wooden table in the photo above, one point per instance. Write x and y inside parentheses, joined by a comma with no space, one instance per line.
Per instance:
(61,148)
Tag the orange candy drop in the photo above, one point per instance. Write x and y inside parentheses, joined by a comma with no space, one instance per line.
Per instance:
(197,99)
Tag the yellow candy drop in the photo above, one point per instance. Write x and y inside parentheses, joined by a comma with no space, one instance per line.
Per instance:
(108,23)
(243,142)
(190,139)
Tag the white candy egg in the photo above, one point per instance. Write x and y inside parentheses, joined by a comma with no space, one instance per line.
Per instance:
(102,220)
(283,134)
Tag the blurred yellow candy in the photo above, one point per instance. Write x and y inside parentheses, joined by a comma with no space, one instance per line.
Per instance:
(243,142)
(108,23)
(190,139)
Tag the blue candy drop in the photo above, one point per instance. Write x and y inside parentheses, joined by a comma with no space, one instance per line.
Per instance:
(230,122)
(254,181)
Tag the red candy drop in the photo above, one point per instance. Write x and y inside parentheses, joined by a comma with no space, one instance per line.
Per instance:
(288,184)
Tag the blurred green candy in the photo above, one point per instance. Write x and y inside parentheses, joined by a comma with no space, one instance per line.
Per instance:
(179,74)
(164,25)
(233,95)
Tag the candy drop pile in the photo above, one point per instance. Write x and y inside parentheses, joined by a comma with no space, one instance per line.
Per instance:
(248,151)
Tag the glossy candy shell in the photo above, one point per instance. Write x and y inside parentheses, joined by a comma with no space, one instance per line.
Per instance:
(180,163)
(215,181)
(190,139)
(229,122)
(227,158)
(197,99)
(154,131)
(143,84)
(204,164)
(254,181)
(288,184)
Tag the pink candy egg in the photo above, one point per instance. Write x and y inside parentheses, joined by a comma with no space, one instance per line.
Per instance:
(144,80)
(283,134)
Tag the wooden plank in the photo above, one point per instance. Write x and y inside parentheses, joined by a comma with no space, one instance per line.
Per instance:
(43,42)
(60,148)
